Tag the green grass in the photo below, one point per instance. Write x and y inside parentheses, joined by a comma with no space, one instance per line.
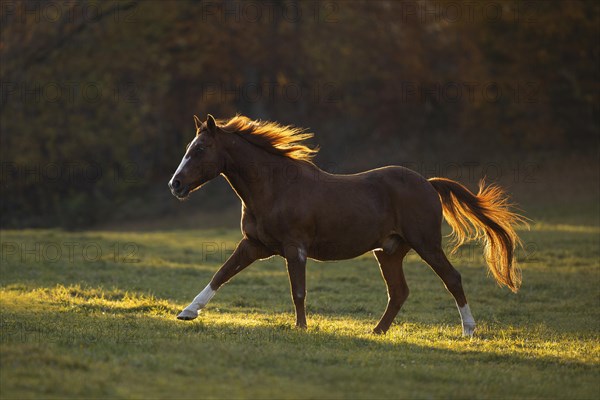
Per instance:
(83,325)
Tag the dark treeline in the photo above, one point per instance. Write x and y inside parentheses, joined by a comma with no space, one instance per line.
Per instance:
(97,98)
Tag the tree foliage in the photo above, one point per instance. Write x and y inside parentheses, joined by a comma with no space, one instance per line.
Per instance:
(97,97)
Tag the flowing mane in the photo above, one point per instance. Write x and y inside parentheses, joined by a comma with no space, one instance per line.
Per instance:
(285,140)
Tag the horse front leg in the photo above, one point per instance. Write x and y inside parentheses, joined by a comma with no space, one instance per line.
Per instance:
(246,252)
(295,257)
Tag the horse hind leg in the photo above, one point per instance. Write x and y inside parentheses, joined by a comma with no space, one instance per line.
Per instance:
(393,274)
(433,255)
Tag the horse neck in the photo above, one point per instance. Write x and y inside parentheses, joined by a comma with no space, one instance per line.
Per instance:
(254,174)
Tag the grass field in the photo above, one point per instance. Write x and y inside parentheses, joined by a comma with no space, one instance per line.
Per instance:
(92,314)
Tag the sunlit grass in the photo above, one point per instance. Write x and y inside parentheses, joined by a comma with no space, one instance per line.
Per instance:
(546,227)
(104,326)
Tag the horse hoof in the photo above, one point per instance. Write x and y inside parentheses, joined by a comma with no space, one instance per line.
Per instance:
(187,315)
(468,330)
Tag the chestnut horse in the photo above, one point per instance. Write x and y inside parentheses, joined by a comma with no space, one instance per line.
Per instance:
(292,208)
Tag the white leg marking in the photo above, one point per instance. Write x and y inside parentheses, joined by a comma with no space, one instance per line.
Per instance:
(202,299)
(468,323)
(301,254)
(199,302)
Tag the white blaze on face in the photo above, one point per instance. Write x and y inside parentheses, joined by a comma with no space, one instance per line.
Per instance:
(183,164)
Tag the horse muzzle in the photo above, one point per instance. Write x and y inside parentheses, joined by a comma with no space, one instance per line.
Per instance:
(178,190)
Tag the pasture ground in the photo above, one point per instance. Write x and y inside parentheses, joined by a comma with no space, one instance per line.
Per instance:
(92,314)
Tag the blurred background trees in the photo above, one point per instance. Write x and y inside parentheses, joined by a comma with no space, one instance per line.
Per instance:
(97,98)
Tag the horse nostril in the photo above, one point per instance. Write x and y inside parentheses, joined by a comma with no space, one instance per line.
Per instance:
(176,184)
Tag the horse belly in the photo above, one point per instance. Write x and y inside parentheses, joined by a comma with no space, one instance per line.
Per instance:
(331,251)
(347,238)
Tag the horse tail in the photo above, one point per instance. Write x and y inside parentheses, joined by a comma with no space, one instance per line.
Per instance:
(486,216)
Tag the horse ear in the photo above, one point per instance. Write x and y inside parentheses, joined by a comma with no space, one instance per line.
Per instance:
(197,122)
(211,124)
